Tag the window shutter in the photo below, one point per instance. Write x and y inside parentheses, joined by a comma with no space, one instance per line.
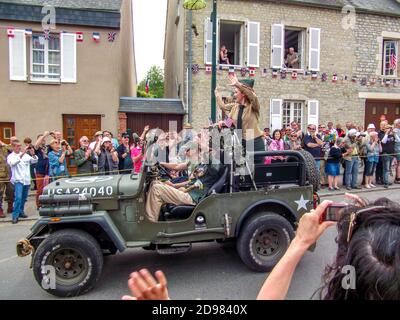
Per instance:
(208,35)
(313,112)
(17,47)
(315,49)
(68,58)
(277,45)
(253,44)
(276,114)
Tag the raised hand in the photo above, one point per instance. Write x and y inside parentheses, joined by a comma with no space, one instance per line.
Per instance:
(143,286)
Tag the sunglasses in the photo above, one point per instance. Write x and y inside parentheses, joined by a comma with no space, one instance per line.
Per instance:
(312,129)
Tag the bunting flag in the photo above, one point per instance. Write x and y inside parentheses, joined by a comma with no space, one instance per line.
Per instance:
(334,78)
(96,37)
(252,72)
(111,36)
(243,72)
(388,82)
(231,71)
(79,36)
(346,78)
(373,81)
(11,32)
(274,73)
(264,72)
(46,34)
(294,75)
(314,75)
(28,32)
(208,69)
(364,81)
(324,77)
(195,68)
(354,79)
(283,74)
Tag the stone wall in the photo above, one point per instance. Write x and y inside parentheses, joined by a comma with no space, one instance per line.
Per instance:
(342,52)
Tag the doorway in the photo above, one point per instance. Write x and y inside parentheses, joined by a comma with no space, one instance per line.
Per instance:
(7,130)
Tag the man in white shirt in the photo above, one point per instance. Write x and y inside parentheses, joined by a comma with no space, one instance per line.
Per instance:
(19,162)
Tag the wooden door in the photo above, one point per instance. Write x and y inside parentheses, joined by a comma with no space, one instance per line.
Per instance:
(137,121)
(375,109)
(77,126)
(7,130)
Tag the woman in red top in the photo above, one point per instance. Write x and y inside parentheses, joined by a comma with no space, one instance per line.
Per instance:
(137,156)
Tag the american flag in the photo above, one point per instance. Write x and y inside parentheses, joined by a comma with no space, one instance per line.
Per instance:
(111,36)
(393,61)
(228,121)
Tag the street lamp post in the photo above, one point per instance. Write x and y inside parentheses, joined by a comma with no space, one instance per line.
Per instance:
(198,5)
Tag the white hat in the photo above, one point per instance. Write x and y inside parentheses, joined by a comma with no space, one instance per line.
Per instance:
(352,132)
(106,139)
(371,126)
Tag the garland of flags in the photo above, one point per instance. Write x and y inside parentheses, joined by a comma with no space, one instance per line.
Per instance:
(80,36)
(334,78)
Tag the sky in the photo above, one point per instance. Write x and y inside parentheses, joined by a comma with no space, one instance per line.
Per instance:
(149,23)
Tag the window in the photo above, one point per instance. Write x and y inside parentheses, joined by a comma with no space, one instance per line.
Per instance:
(390,58)
(294,48)
(291,42)
(230,37)
(292,111)
(7,132)
(45,59)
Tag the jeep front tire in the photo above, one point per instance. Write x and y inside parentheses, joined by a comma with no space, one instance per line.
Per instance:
(263,241)
(72,258)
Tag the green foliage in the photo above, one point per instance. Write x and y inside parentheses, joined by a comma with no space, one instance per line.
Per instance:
(156,89)
(143,94)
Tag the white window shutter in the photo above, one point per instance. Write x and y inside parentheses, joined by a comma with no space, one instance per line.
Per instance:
(314,49)
(68,57)
(276,114)
(277,45)
(313,112)
(253,44)
(17,50)
(208,35)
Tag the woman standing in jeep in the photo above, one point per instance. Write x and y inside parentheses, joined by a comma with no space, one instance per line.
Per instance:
(245,114)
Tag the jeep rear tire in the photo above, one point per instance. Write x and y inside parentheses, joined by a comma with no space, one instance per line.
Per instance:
(312,174)
(263,241)
(77,261)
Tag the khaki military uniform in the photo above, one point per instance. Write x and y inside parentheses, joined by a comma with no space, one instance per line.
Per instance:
(6,186)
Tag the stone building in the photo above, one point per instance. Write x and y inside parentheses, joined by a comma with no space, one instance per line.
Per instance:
(61,81)
(351,44)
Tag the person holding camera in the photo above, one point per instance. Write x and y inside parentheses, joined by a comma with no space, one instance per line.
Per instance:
(388,142)
(58,159)
(351,159)
(43,166)
(313,144)
(125,164)
(107,157)
(19,161)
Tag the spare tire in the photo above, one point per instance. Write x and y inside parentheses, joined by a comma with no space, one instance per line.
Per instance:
(312,174)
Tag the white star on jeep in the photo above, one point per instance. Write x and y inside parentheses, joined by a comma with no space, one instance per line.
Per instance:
(302,203)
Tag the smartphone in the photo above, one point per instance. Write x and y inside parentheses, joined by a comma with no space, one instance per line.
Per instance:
(333,212)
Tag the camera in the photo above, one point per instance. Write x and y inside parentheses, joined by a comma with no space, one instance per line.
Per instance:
(64,143)
(333,212)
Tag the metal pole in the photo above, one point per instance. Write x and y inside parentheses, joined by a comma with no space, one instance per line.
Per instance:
(214,63)
(190,76)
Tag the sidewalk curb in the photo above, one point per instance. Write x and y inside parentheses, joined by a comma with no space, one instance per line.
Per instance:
(342,193)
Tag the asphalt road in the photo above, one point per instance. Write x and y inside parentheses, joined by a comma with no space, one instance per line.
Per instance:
(210,271)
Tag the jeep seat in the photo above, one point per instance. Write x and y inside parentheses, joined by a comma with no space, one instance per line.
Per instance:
(183,212)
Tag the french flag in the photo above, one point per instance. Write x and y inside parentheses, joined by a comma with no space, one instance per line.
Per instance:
(11,32)
(96,37)
(147,85)
(79,36)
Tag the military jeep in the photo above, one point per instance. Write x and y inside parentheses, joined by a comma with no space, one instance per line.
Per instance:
(84,219)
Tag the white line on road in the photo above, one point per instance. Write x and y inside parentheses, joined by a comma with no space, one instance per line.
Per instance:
(8,259)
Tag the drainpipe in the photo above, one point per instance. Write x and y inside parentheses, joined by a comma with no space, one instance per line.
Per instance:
(190,74)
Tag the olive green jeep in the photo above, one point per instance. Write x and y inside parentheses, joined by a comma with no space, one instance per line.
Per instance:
(82,219)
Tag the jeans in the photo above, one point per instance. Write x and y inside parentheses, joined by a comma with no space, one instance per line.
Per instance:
(318,164)
(352,172)
(20,196)
(386,163)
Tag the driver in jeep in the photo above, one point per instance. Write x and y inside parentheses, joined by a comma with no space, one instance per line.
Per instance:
(203,175)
